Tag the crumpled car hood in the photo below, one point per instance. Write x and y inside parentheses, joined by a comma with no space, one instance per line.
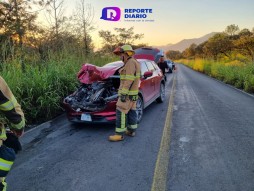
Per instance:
(90,73)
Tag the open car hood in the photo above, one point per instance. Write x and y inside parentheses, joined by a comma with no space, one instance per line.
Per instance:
(144,56)
(90,73)
(148,53)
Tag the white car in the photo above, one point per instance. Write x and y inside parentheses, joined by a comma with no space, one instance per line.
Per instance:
(171,66)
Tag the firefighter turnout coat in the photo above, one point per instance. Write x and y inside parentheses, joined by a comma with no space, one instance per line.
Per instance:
(10,109)
(129,85)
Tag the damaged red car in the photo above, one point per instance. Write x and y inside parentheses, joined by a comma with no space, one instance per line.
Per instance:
(95,100)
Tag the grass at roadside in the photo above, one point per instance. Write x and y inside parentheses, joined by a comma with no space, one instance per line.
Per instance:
(42,87)
(234,73)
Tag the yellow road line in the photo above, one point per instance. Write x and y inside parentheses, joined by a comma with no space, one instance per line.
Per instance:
(162,162)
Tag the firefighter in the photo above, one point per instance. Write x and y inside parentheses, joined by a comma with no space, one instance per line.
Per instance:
(14,117)
(126,116)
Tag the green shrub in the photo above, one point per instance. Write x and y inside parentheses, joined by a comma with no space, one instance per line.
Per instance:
(198,65)
(230,75)
(42,87)
(249,79)
(234,72)
(207,67)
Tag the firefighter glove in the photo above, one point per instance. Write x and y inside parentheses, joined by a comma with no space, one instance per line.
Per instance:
(134,98)
(13,142)
(123,97)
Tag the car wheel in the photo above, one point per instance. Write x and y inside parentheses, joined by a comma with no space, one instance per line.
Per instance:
(139,108)
(162,94)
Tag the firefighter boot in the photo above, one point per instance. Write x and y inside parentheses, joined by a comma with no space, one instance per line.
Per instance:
(130,133)
(115,138)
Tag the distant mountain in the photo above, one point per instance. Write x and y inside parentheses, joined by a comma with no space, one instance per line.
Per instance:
(183,44)
(164,47)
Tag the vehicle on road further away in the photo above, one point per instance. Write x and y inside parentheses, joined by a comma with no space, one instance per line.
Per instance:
(171,66)
(95,100)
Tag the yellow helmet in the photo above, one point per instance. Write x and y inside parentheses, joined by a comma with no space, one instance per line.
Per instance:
(125,48)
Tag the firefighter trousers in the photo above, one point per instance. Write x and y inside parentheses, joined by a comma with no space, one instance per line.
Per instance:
(126,121)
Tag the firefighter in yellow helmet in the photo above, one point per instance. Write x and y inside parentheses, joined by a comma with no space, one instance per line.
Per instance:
(126,116)
(14,117)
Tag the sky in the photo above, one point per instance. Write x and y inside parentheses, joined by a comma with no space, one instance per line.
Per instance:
(172,20)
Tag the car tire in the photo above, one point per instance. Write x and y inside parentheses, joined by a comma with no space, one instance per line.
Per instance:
(162,94)
(139,108)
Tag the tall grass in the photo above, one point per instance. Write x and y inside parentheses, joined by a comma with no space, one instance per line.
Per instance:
(42,87)
(234,73)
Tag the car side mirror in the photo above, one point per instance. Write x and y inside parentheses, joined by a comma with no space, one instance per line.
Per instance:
(148,74)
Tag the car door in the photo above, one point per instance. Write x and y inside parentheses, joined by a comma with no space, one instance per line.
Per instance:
(151,79)
(157,78)
(146,84)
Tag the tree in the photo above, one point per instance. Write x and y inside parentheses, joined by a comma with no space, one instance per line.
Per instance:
(122,36)
(199,50)
(6,44)
(232,29)
(55,18)
(127,36)
(139,46)
(16,20)
(173,55)
(218,44)
(245,45)
(59,35)
(190,52)
(83,18)
(245,32)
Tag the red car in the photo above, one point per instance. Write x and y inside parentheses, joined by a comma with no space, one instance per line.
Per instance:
(95,100)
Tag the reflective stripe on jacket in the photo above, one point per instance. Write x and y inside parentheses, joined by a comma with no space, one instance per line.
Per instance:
(129,77)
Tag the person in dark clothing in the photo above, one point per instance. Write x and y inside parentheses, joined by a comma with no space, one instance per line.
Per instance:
(163,65)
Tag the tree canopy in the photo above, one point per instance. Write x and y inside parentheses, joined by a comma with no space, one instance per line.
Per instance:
(232,43)
(119,37)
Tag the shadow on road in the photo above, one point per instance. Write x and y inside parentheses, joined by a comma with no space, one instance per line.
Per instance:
(91,127)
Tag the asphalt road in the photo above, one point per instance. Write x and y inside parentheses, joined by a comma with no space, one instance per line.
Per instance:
(59,156)
(211,146)
(212,137)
